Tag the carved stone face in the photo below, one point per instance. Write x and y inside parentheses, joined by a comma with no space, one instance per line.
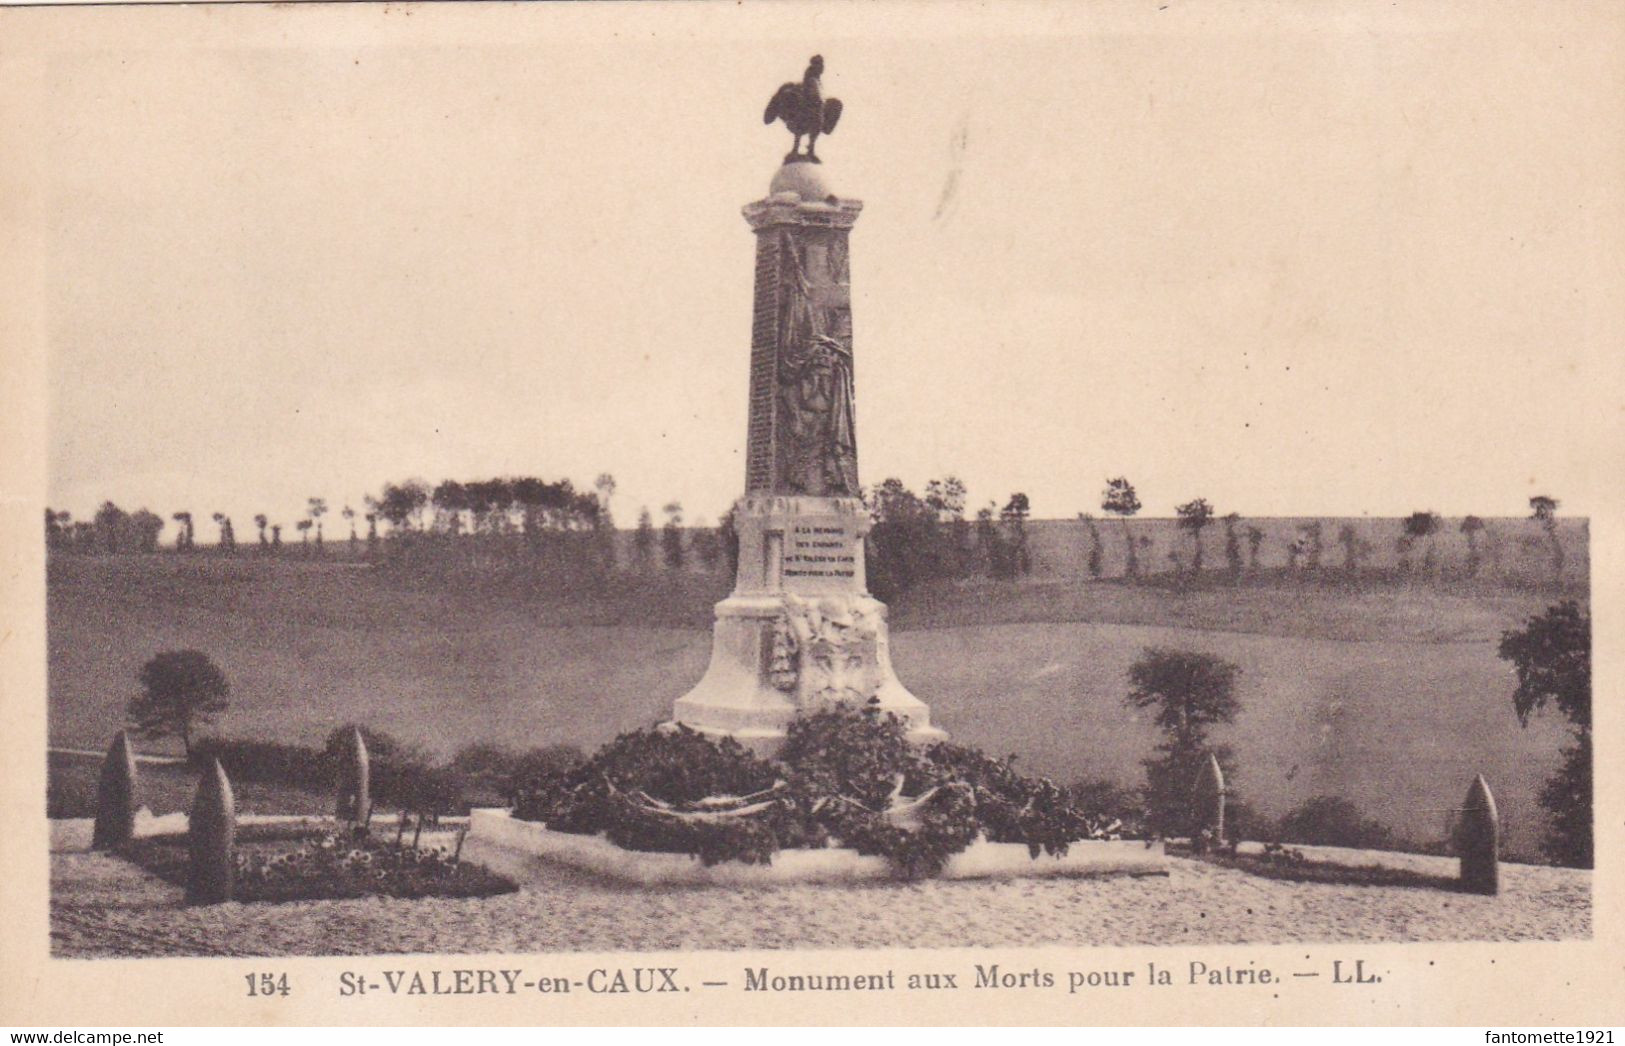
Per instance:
(832,672)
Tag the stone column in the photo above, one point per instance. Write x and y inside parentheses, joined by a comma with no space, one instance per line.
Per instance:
(800,630)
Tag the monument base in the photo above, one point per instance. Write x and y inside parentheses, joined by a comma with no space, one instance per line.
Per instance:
(750,694)
(799,632)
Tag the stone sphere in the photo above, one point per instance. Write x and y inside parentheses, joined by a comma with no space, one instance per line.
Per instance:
(806,180)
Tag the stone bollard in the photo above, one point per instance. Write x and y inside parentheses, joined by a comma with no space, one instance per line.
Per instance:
(115,796)
(1207,806)
(1478,840)
(355,783)
(211,833)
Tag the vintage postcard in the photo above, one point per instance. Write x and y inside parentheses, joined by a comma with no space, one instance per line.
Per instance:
(812,514)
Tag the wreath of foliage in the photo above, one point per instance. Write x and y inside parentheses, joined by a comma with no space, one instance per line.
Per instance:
(845,776)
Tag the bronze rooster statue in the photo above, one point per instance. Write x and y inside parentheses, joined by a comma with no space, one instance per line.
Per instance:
(805,111)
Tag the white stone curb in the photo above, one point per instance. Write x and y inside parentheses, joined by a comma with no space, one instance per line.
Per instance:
(514,847)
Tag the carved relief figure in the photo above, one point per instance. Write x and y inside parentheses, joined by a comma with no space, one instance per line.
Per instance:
(817,444)
(826,651)
(820,449)
(839,262)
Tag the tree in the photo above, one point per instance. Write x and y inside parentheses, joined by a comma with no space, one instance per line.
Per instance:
(1551,655)
(604,487)
(1194,517)
(643,539)
(228,539)
(1350,540)
(1255,540)
(1189,692)
(112,527)
(276,535)
(144,527)
(1120,500)
(914,539)
(1543,510)
(402,504)
(349,516)
(1097,549)
(603,522)
(1313,536)
(946,498)
(60,531)
(181,690)
(449,501)
(989,545)
(1418,526)
(895,552)
(671,536)
(488,504)
(1232,546)
(1470,526)
(317,508)
(707,547)
(728,530)
(183,537)
(262,522)
(303,526)
(1014,517)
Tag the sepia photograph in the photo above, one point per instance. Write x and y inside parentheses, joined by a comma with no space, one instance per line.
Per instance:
(523,480)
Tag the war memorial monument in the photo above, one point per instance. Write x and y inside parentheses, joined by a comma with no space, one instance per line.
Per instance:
(866,791)
(800,629)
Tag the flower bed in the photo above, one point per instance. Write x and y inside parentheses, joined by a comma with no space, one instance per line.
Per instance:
(302,863)
(845,778)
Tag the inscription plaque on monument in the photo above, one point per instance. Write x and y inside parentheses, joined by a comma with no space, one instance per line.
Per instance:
(800,628)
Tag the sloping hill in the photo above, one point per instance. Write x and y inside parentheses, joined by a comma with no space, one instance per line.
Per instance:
(1390,698)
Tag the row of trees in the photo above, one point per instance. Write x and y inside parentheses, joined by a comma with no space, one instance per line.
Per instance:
(915,538)
(525,504)
(1307,548)
(705,544)
(511,505)
(113,530)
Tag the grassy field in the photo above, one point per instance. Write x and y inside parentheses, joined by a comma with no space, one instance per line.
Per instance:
(1389,696)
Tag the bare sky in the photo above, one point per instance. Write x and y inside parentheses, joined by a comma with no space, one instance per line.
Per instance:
(1343,264)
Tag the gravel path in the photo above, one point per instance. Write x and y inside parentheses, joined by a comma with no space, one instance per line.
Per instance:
(103,905)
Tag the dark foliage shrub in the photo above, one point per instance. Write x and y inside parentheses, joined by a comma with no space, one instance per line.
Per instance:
(403,775)
(269,762)
(1552,657)
(858,754)
(493,769)
(681,766)
(1567,796)
(1331,821)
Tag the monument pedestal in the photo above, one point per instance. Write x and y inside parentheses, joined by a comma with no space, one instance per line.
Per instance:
(800,630)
